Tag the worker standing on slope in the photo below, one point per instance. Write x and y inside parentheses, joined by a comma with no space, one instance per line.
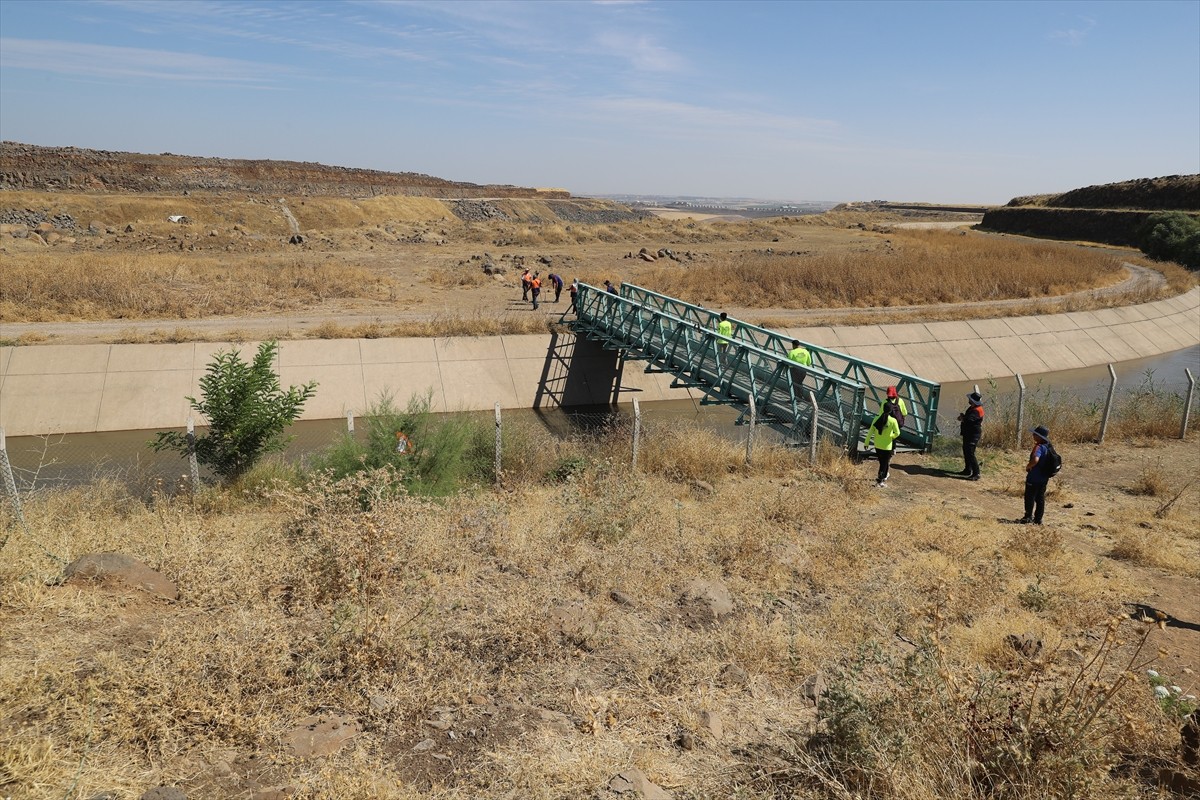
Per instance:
(557,283)
(883,433)
(535,288)
(970,426)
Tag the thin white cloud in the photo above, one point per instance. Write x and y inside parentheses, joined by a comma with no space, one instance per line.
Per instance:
(642,51)
(1075,36)
(96,60)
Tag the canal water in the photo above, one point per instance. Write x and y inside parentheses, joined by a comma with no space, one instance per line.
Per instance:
(82,458)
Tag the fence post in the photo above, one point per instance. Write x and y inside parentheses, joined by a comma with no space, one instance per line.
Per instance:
(1020,408)
(193,466)
(350,422)
(10,485)
(750,435)
(812,432)
(496,466)
(1187,404)
(1112,389)
(637,429)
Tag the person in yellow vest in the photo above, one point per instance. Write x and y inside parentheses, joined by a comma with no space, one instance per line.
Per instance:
(801,356)
(724,336)
(882,435)
(899,407)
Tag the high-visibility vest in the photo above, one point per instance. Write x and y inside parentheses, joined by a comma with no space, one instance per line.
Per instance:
(725,328)
(800,356)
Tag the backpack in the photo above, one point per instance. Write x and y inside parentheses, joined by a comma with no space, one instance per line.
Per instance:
(1053,461)
(892,407)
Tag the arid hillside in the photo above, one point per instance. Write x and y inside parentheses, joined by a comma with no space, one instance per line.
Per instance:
(24,166)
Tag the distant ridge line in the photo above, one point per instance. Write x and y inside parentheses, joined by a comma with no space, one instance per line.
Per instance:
(39,168)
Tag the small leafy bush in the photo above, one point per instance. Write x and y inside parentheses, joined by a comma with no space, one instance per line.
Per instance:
(246,410)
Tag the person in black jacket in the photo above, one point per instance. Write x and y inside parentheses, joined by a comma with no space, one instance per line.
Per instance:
(971,429)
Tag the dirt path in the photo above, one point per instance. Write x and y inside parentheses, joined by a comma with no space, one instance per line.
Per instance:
(1094,507)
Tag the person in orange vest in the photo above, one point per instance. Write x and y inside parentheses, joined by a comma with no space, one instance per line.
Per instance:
(535,288)
(526,281)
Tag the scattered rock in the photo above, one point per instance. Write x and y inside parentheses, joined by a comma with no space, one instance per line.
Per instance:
(381,703)
(296,238)
(164,793)
(129,228)
(424,745)
(620,598)
(706,600)
(106,567)
(439,724)
(686,741)
(711,722)
(43,227)
(1190,739)
(733,675)
(703,486)
(814,687)
(635,783)
(321,735)
(575,623)
(1026,644)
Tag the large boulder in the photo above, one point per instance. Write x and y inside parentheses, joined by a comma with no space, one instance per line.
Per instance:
(110,568)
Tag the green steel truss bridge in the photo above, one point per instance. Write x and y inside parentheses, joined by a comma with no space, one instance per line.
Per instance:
(751,371)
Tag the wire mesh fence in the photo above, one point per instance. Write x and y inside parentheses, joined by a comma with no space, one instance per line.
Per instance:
(683,440)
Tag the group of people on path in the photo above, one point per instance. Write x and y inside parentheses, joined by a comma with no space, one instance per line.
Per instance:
(531,287)
(1043,464)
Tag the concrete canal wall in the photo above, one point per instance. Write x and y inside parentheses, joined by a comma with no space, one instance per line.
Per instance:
(87,388)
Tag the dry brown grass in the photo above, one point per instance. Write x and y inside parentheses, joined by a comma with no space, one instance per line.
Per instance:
(918,267)
(478,324)
(308,601)
(140,286)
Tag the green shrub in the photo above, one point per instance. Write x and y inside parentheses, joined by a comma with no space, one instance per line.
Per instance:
(1173,236)
(246,410)
(444,453)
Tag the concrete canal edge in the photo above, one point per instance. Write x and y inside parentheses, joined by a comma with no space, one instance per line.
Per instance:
(88,388)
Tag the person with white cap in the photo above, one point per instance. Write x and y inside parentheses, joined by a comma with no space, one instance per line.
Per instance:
(970,427)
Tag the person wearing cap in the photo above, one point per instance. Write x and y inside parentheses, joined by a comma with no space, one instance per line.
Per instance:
(894,403)
(970,427)
(883,434)
(1036,478)
(724,336)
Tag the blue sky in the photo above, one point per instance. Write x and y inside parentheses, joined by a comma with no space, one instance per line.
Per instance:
(938,102)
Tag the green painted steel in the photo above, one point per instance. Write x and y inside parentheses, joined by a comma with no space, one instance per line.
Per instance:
(920,395)
(680,338)
(733,371)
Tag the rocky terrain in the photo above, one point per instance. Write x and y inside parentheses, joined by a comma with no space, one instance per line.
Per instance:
(1168,193)
(32,167)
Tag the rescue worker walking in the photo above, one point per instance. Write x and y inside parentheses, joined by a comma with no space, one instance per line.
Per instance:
(724,336)
(557,283)
(883,433)
(801,356)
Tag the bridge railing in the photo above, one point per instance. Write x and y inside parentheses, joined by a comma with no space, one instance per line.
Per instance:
(920,395)
(728,370)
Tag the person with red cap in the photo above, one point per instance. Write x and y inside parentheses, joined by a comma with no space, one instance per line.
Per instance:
(896,404)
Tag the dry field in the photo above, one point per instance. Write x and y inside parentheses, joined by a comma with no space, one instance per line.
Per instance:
(538,640)
(391,266)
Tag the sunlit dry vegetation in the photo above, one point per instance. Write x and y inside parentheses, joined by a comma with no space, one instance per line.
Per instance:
(536,639)
(916,267)
(93,285)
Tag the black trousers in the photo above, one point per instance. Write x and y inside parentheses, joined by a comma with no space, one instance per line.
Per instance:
(1035,501)
(971,462)
(885,462)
